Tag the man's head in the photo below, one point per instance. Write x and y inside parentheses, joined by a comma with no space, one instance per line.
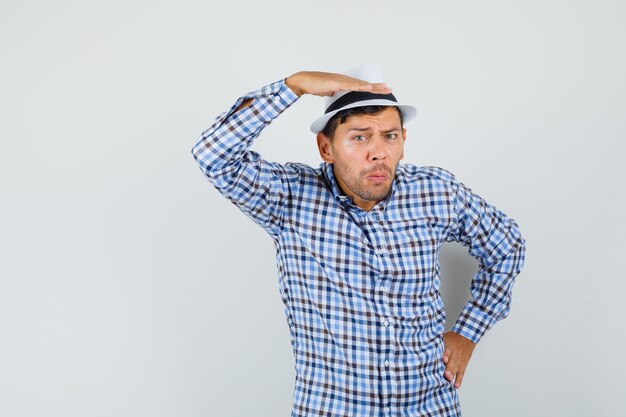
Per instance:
(365,146)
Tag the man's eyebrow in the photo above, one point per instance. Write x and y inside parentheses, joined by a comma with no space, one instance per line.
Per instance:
(362,129)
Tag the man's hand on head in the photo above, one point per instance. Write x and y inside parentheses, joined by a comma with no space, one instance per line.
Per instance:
(327,83)
(457,353)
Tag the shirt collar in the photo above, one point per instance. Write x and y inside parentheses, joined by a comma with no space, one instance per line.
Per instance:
(345,200)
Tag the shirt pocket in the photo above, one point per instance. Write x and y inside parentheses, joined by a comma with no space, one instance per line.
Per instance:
(414,249)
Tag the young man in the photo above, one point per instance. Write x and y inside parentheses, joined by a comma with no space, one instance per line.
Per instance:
(357,244)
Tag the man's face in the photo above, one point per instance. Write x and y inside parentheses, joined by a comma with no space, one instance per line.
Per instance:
(365,150)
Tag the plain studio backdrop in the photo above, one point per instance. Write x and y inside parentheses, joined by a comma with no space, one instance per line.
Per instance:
(130,287)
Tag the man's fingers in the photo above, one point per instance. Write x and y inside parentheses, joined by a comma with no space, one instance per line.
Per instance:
(456,355)
(454,372)
(459,378)
(355,84)
(380,88)
(452,368)
(362,85)
(326,84)
(383,89)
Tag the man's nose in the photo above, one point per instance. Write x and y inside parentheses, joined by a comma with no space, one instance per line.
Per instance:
(378,150)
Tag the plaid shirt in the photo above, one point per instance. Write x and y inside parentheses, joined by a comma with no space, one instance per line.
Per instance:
(361,289)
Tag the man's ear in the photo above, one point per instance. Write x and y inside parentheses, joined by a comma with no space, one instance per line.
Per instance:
(325,148)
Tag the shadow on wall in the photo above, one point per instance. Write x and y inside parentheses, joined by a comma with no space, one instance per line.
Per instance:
(457,268)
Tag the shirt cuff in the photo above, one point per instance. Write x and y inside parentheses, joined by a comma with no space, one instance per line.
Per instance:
(283,97)
(472,323)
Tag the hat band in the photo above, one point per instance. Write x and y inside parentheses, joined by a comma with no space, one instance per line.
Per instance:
(354,96)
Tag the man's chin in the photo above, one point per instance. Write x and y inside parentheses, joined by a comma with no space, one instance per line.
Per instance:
(376,193)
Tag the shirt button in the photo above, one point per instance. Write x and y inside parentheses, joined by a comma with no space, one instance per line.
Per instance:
(386,323)
(386,362)
(388,409)
(381,287)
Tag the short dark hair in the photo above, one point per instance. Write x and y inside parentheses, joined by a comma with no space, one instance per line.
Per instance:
(341,116)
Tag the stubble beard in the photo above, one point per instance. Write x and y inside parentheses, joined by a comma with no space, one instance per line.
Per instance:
(357,183)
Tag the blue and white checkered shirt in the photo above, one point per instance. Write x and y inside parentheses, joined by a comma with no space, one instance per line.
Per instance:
(361,289)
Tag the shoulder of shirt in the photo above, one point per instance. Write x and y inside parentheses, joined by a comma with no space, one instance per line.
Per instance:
(301,177)
(410,173)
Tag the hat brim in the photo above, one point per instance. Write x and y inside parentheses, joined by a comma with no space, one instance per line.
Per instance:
(408,112)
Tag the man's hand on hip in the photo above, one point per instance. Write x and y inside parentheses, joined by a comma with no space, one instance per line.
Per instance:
(457,353)
(326,83)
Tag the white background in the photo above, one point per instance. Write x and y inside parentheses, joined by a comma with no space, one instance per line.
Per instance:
(130,287)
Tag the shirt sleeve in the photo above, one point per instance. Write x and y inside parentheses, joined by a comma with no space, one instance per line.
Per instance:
(256,186)
(494,239)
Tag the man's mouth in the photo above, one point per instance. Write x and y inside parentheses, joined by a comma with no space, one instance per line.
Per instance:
(378,176)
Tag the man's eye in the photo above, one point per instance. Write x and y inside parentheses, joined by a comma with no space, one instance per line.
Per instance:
(391,135)
(359,138)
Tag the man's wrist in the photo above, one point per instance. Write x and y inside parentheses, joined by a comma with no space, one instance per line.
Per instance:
(465,338)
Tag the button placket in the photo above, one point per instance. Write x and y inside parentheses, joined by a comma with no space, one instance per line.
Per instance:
(373,222)
(386,373)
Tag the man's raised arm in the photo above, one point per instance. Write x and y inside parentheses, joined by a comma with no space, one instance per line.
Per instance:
(258,187)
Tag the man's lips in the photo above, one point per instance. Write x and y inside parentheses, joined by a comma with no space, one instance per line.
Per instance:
(378,176)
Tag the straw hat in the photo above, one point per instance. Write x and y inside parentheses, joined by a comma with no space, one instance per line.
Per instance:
(342,100)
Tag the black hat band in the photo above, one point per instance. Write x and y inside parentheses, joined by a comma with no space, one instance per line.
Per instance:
(354,96)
